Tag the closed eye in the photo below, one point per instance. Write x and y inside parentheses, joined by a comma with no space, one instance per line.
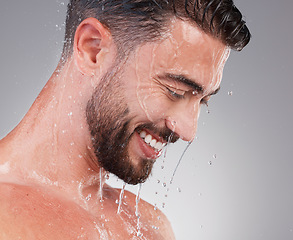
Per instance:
(178,94)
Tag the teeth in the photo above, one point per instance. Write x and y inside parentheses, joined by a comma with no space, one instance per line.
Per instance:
(148,138)
(151,141)
(159,146)
(142,134)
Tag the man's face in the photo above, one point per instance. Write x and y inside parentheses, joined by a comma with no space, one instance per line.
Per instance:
(153,98)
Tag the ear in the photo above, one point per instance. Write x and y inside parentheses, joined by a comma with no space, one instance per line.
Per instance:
(91,40)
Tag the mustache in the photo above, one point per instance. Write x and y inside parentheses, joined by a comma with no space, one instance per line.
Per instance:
(165,133)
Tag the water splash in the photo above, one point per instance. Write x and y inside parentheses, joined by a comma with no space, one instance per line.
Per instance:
(139,234)
(171,180)
(121,197)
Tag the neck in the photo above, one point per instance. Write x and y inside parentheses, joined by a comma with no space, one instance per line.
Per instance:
(52,143)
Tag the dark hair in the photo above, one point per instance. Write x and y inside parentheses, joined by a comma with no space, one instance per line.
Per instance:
(132,22)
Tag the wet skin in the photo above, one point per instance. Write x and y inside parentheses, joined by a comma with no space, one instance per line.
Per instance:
(39,213)
(50,185)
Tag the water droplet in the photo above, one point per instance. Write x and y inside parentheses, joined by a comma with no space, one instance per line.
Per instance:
(164,184)
(194,92)
(156,192)
(162,167)
(158,181)
(178,189)
(210,163)
(163,205)
(208,111)
(230,93)
(166,195)
(88,197)
(215,156)
(70,114)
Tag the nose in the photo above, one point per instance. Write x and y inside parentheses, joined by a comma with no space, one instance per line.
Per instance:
(183,121)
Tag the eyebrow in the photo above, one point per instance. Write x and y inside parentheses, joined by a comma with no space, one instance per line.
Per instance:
(188,82)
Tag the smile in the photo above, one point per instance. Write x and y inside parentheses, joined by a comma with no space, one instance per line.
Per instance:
(152,141)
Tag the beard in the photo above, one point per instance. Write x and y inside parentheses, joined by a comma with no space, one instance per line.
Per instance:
(109,121)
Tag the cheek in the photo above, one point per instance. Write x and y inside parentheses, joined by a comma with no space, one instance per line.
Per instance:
(146,98)
(152,101)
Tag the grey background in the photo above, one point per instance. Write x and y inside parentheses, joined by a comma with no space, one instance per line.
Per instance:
(243,193)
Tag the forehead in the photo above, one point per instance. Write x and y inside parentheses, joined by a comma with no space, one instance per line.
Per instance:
(188,51)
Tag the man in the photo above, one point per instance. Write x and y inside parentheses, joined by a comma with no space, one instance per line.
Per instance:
(131,79)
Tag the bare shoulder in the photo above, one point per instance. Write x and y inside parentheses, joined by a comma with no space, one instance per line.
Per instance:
(30,213)
(152,217)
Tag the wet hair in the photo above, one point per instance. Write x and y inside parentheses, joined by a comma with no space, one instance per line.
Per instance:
(132,22)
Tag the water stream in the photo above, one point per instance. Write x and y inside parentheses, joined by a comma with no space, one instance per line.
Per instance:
(139,234)
(171,180)
(101,186)
(121,198)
